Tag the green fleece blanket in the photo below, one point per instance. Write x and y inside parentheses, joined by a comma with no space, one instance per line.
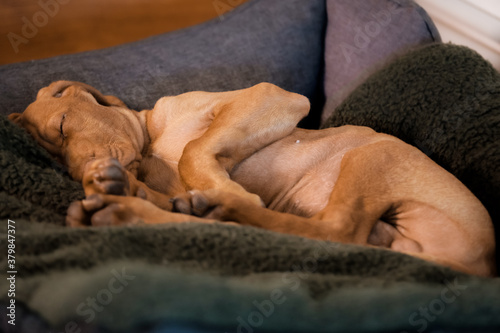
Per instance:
(218,278)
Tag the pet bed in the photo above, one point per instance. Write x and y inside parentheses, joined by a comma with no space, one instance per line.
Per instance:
(220,278)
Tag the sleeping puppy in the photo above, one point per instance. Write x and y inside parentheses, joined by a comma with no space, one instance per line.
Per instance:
(238,156)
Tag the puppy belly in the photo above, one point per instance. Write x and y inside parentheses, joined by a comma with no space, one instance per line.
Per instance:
(300,186)
(297,174)
(311,192)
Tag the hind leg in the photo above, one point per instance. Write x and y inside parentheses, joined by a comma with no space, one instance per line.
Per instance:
(388,194)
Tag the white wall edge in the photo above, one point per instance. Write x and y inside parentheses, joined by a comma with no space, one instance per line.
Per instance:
(464,22)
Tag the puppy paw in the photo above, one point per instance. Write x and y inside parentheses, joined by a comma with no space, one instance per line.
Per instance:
(191,203)
(212,204)
(105,176)
(103,210)
(111,210)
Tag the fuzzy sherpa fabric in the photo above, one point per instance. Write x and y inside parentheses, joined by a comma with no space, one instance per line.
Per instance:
(445,100)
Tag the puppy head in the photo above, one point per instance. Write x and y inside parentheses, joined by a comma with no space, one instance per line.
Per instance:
(76,124)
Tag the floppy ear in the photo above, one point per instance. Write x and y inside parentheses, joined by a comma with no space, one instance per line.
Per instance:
(16,118)
(54,88)
(59,86)
(106,100)
(111,100)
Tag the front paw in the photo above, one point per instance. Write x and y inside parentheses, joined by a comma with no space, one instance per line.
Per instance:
(110,210)
(105,176)
(103,210)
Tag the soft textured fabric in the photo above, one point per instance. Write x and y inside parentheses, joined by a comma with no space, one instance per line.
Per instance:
(263,40)
(213,276)
(32,185)
(445,100)
(364,35)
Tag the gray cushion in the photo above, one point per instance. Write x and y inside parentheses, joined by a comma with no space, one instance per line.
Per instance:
(363,35)
(263,40)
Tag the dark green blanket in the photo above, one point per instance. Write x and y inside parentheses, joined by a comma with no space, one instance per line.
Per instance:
(218,277)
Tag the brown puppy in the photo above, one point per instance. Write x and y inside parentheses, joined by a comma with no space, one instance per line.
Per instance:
(241,149)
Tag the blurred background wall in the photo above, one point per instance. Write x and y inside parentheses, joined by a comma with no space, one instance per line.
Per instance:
(33,29)
(474,23)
